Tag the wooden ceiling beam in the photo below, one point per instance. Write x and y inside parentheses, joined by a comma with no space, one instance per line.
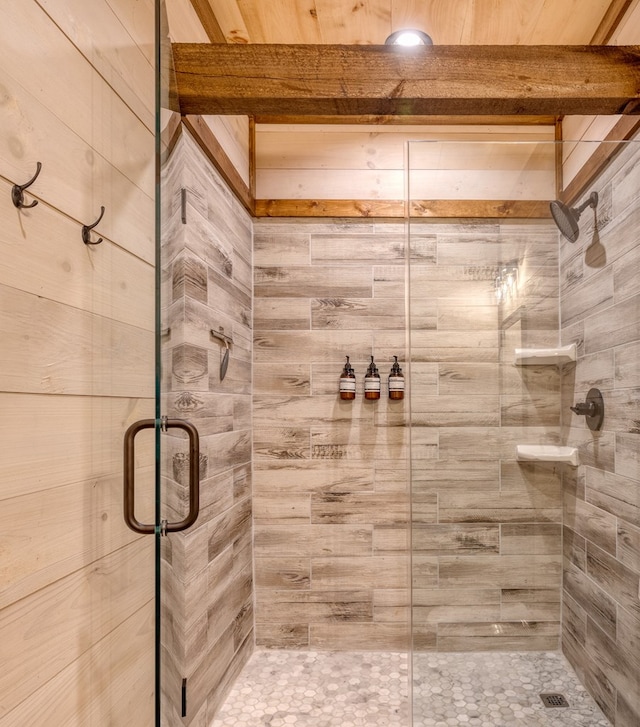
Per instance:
(209,21)
(412,120)
(610,22)
(342,80)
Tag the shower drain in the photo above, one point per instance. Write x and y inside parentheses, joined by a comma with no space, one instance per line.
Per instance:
(554,700)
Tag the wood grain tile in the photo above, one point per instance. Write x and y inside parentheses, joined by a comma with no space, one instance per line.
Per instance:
(274,379)
(391,540)
(516,636)
(308,410)
(539,539)
(530,604)
(455,315)
(281,314)
(463,475)
(627,455)
(302,476)
(615,578)
(455,411)
(281,509)
(359,636)
(498,507)
(461,538)
(591,522)
(280,247)
(315,281)
(462,379)
(313,540)
(458,346)
(627,368)
(281,443)
(362,507)
(589,297)
(618,495)
(467,613)
(283,572)
(373,572)
(313,347)
(508,571)
(389,281)
(314,606)
(357,313)
(534,410)
(282,636)
(628,551)
(614,326)
(360,249)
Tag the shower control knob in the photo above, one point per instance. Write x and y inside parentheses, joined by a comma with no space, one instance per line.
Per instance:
(592,409)
(584,408)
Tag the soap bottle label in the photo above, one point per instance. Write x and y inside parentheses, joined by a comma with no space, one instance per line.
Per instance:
(347,385)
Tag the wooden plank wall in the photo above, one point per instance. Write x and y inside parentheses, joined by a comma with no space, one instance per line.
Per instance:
(77,361)
(297,161)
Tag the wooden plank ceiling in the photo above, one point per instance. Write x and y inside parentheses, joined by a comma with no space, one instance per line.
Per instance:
(448,22)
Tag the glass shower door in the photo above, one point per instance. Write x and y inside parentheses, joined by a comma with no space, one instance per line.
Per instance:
(176,485)
(486,563)
(514,320)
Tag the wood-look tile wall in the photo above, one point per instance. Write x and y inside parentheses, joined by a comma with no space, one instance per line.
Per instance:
(331,477)
(600,311)
(486,559)
(76,362)
(331,501)
(208,576)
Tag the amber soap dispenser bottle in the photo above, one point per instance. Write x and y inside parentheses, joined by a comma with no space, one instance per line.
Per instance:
(347,382)
(396,381)
(372,382)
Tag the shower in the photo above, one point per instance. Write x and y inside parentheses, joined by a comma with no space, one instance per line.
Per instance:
(566,218)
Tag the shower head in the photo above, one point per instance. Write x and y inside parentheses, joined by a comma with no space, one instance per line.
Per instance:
(566,218)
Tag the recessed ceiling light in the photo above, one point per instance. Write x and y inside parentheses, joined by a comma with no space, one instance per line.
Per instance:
(408,37)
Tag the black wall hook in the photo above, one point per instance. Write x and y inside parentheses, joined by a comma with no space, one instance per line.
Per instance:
(86,230)
(17,192)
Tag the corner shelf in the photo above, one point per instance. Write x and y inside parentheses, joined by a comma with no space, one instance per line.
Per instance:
(547,453)
(541,356)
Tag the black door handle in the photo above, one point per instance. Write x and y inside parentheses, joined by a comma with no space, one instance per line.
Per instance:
(129,476)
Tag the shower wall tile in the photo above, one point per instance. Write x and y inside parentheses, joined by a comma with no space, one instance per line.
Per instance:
(358,249)
(330,477)
(592,523)
(311,282)
(208,570)
(503,507)
(628,546)
(444,539)
(531,538)
(512,636)
(602,499)
(463,475)
(282,248)
(357,313)
(359,636)
(536,604)
(501,571)
(325,291)
(277,314)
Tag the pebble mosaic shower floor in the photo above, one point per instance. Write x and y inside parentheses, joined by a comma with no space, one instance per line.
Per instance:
(326,689)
